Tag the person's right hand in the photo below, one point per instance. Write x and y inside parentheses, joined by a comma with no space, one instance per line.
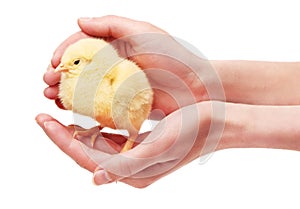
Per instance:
(178,76)
(179,138)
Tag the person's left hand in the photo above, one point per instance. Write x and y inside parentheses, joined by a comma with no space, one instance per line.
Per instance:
(177,75)
(177,140)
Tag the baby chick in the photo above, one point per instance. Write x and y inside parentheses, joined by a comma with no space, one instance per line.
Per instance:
(97,82)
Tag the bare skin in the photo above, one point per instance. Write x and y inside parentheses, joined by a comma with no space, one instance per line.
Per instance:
(177,139)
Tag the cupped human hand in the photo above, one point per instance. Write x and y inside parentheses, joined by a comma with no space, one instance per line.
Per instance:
(179,138)
(177,76)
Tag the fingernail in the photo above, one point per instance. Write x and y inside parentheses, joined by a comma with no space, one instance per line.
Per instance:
(46,124)
(50,68)
(85,19)
(36,119)
(49,124)
(101,177)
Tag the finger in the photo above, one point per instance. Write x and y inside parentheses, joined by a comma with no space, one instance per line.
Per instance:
(140,183)
(129,173)
(107,145)
(121,166)
(101,177)
(50,77)
(114,26)
(141,179)
(62,47)
(51,92)
(149,175)
(102,144)
(42,118)
(61,136)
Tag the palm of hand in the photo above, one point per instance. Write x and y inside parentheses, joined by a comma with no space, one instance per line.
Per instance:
(169,146)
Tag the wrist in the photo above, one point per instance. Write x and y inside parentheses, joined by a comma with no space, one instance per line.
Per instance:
(204,79)
(236,126)
(230,80)
(265,127)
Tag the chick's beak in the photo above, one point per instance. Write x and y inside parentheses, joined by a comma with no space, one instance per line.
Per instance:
(60,68)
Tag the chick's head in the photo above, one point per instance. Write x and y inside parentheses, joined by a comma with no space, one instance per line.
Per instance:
(78,55)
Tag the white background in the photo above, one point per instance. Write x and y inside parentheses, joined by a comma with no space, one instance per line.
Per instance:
(36,174)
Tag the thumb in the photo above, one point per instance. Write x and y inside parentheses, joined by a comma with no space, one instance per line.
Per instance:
(115,26)
(119,166)
(106,26)
(101,177)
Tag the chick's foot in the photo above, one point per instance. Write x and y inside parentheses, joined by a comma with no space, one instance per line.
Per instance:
(93,133)
(130,142)
(128,145)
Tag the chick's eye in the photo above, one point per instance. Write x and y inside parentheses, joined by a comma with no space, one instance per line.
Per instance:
(76,62)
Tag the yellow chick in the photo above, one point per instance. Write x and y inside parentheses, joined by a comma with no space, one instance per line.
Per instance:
(97,82)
